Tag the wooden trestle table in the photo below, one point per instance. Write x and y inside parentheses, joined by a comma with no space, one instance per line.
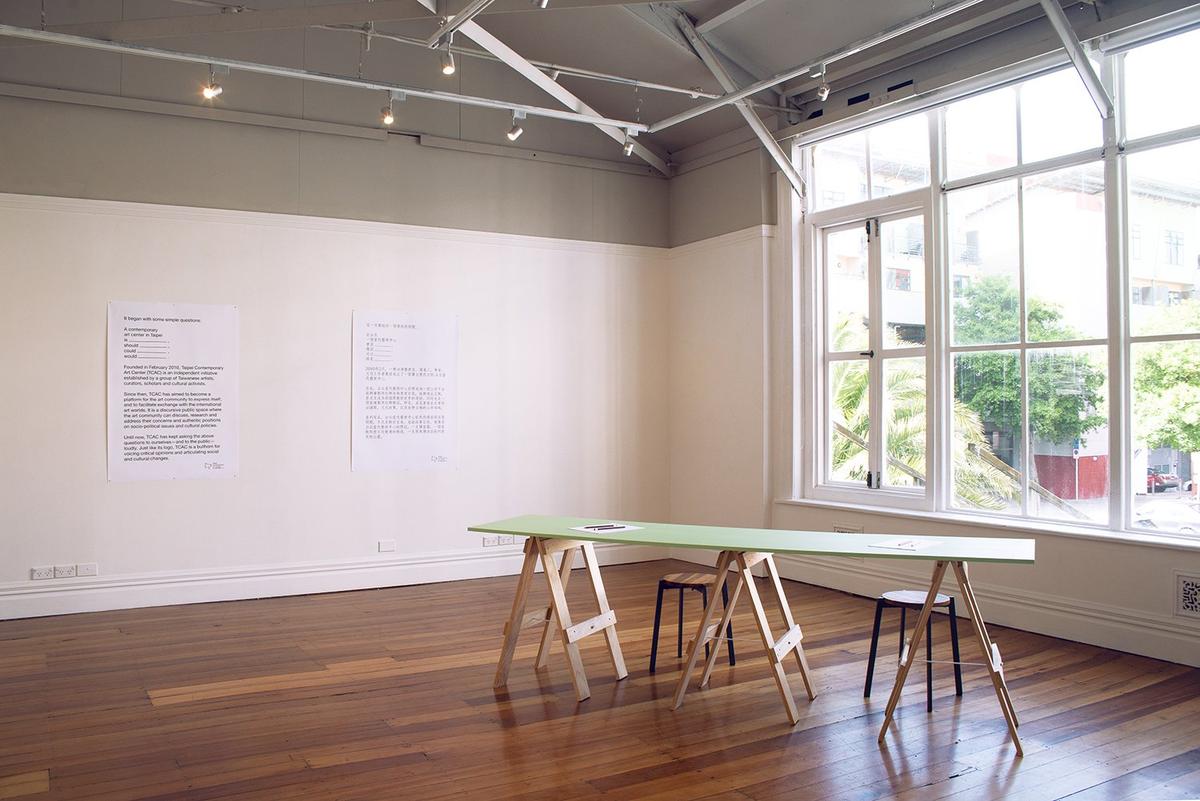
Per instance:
(740,550)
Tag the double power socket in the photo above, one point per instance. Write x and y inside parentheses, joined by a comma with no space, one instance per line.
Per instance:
(64,571)
(492,540)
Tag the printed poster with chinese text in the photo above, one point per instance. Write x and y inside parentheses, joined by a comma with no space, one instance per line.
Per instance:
(404,371)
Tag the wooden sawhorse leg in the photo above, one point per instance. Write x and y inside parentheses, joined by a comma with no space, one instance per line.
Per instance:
(776,650)
(991,653)
(557,617)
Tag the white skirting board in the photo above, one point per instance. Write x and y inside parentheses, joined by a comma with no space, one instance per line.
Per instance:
(1166,637)
(65,596)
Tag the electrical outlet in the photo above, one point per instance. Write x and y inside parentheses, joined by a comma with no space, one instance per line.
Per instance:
(87,569)
(387,546)
(41,573)
(490,540)
(506,539)
(64,571)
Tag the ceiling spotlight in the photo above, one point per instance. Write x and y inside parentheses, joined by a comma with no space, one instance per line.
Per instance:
(514,133)
(540,3)
(823,89)
(627,148)
(386,115)
(212,89)
(448,67)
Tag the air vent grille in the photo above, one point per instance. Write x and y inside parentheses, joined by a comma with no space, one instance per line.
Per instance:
(1187,595)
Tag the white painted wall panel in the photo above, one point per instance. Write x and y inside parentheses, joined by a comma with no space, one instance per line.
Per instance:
(562,385)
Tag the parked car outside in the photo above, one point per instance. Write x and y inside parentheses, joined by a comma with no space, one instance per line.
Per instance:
(1157,481)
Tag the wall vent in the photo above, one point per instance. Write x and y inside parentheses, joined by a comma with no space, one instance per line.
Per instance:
(1187,595)
(846,528)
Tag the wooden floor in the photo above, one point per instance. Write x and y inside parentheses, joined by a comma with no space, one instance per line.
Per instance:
(386,694)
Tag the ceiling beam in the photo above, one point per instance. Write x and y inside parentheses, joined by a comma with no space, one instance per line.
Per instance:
(452,24)
(1075,51)
(351,13)
(661,17)
(991,17)
(733,8)
(894,32)
(776,151)
(475,32)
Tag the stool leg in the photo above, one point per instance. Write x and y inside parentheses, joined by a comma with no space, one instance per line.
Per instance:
(954,645)
(874,647)
(657,620)
(929,664)
(729,628)
(679,643)
(704,600)
(903,613)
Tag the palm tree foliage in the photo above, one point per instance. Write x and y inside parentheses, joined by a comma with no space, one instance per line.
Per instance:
(980,480)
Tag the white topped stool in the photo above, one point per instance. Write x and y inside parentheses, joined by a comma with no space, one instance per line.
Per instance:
(915,599)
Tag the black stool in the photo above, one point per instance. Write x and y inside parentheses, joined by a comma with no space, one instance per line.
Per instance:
(915,599)
(681,582)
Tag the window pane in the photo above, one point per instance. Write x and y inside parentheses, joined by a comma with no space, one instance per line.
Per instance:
(849,421)
(1166,435)
(1154,100)
(903,254)
(840,170)
(1065,275)
(986,432)
(1068,430)
(981,133)
(984,262)
(1057,117)
(1164,240)
(904,420)
(899,155)
(846,289)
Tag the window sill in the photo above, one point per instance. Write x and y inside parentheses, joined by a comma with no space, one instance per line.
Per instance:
(1010,527)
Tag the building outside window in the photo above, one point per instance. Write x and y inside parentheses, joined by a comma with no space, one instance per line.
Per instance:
(1173,240)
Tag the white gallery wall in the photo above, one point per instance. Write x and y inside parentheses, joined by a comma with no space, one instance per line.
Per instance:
(718,354)
(562,400)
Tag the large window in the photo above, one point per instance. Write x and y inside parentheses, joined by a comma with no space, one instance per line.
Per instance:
(1017,352)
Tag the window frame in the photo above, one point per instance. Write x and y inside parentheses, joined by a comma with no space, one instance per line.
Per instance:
(805,468)
(816,481)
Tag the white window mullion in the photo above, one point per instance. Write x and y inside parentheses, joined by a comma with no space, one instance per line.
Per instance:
(1025,434)
(875,307)
(1120,480)
(937,339)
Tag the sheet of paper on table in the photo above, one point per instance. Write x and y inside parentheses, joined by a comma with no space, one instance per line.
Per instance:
(607,528)
(901,544)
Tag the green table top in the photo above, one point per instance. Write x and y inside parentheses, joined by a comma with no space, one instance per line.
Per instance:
(823,543)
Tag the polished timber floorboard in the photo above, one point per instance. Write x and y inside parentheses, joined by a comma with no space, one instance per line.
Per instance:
(383,694)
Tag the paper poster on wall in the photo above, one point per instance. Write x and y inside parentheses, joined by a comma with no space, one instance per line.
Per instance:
(404,391)
(172,391)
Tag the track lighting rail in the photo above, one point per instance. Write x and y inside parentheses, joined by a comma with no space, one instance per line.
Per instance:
(51,37)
